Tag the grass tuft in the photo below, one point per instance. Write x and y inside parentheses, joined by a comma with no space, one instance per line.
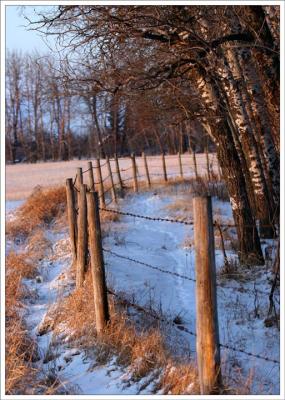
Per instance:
(40,208)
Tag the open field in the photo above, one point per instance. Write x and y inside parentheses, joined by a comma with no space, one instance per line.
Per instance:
(151,264)
(22,178)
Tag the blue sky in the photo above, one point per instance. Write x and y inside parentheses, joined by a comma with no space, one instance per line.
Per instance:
(18,37)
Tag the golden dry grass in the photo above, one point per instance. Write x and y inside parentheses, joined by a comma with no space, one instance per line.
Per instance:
(40,208)
(21,350)
(180,379)
(142,350)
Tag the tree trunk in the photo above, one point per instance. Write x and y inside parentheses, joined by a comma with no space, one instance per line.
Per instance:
(249,244)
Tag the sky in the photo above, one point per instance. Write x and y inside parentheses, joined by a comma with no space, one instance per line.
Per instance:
(18,37)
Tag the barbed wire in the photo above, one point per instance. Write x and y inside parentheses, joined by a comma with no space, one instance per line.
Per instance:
(148,217)
(148,265)
(181,327)
(254,291)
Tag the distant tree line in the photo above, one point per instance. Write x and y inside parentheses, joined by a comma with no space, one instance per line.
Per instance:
(51,118)
(145,77)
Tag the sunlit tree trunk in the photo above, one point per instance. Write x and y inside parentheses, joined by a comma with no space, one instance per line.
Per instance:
(249,244)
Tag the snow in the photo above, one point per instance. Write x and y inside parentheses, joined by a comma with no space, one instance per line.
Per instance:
(21,179)
(161,244)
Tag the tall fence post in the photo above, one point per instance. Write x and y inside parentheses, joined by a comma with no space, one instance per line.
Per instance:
(100,184)
(97,263)
(207,329)
(70,197)
(79,181)
(135,179)
(113,191)
(82,236)
(90,176)
(146,170)
(118,172)
(180,165)
(164,167)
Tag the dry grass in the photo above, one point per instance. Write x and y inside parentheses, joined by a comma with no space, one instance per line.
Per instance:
(141,349)
(21,350)
(181,205)
(215,188)
(180,379)
(40,208)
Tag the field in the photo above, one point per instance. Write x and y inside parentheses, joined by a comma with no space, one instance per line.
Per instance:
(149,264)
(22,178)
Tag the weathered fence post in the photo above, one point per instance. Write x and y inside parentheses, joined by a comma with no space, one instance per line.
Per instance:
(91,176)
(164,167)
(97,263)
(118,172)
(180,165)
(100,184)
(135,182)
(207,329)
(79,181)
(82,236)
(113,191)
(146,170)
(72,222)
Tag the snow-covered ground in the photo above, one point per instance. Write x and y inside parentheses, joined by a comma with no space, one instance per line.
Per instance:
(169,246)
(22,178)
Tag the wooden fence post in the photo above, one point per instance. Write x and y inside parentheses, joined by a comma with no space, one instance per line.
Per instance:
(135,182)
(164,168)
(72,222)
(146,170)
(91,176)
(113,191)
(180,165)
(207,329)
(79,181)
(97,263)
(82,236)
(100,184)
(118,172)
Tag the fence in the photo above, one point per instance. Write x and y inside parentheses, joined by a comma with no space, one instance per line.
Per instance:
(84,206)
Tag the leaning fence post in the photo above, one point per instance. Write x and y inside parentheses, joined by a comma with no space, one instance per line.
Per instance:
(134,168)
(164,167)
(146,170)
(207,329)
(118,172)
(97,263)
(100,184)
(113,191)
(70,197)
(82,236)
(180,165)
(90,175)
